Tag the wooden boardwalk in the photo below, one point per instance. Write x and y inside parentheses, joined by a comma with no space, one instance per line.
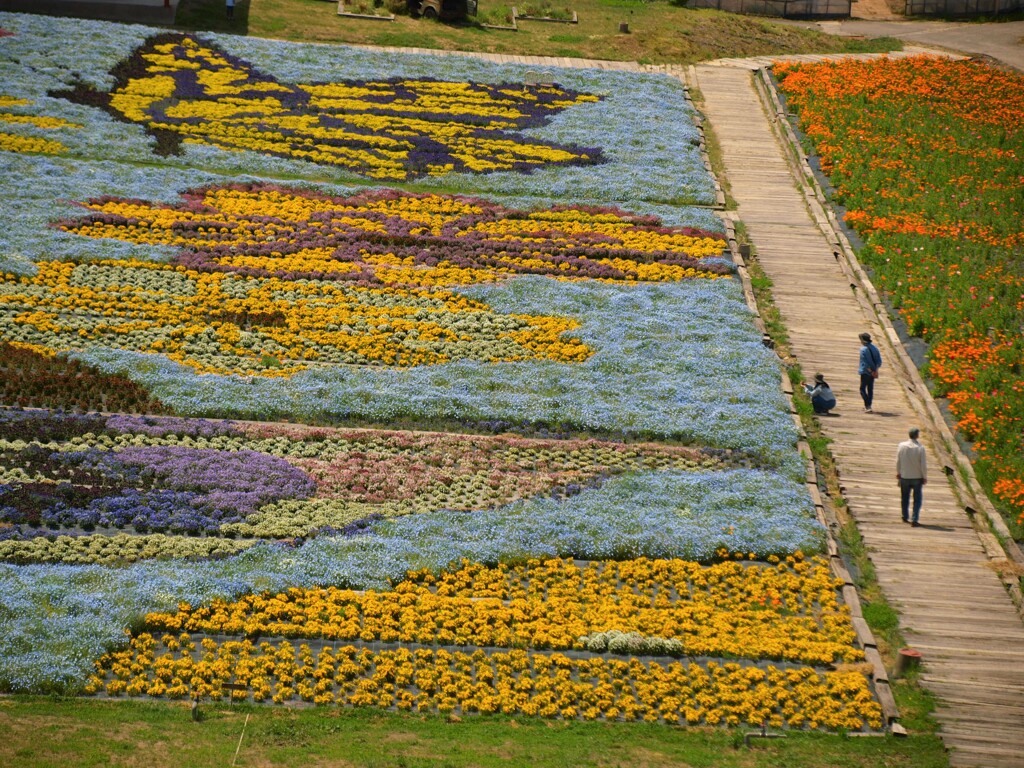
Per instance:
(953,607)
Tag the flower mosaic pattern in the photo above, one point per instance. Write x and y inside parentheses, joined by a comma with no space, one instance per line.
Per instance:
(184,89)
(230,301)
(613,550)
(19,142)
(388,237)
(223,323)
(67,476)
(642,122)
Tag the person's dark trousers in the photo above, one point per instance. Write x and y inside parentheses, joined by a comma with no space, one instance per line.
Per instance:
(906,486)
(867,389)
(821,405)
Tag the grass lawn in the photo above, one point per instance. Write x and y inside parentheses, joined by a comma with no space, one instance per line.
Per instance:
(659,32)
(59,732)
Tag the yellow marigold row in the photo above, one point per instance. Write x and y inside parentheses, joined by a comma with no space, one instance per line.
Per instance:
(753,612)
(514,683)
(39,121)
(12,142)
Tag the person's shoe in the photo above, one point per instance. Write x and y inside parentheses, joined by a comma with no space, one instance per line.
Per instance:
(868,410)
(905,520)
(915,524)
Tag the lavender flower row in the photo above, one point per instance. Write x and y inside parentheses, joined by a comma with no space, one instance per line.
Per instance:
(169,425)
(185,490)
(161,510)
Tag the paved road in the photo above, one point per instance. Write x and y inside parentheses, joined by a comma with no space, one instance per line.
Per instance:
(1003,41)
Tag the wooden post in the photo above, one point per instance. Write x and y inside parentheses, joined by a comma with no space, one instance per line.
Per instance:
(906,660)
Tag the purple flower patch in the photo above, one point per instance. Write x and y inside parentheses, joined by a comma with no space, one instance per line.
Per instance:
(170,425)
(160,488)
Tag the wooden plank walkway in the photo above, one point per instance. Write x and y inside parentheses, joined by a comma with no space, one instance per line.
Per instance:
(953,608)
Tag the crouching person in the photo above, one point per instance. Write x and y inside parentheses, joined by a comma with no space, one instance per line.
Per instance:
(821,394)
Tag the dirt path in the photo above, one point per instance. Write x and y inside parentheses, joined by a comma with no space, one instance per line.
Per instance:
(874,10)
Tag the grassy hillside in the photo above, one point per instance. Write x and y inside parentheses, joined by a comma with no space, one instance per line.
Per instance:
(658,31)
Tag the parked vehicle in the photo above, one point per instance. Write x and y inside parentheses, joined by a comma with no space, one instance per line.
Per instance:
(445,10)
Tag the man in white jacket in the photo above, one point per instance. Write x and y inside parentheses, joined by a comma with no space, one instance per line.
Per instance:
(911,474)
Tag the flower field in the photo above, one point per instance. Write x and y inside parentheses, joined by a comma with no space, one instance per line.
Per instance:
(503,439)
(185,90)
(926,156)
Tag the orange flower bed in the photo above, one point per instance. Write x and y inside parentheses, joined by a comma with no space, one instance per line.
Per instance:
(925,154)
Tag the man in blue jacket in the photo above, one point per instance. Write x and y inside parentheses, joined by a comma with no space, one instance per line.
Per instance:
(870,362)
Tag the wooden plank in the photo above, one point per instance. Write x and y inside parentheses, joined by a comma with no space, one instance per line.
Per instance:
(865,636)
(874,658)
(851,599)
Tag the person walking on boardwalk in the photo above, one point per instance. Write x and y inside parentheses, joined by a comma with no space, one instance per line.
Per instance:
(911,474)
(870,362)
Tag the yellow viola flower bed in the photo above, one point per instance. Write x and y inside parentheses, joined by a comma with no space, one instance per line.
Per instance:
(185,90)
(389,237)
(15,142)
(514,683)
(788,611)
(12,142)
(225,323)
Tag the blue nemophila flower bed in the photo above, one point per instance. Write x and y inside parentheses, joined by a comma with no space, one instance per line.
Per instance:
(680,361)
(641,124)
(59,618)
